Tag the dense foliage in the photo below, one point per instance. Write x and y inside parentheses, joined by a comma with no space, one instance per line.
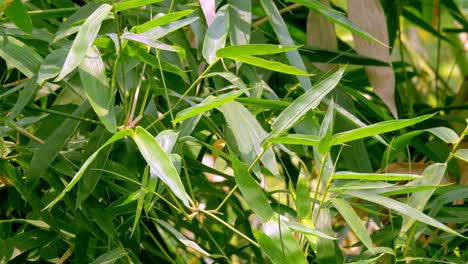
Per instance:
(233,131)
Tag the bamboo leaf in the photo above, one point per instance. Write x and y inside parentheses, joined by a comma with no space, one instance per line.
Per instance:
(117,136)
(161,31)
(240,18)
(161,20)
(96,85)
(283,36)
(251,191)
(376,129)
(278,243)
(18,14)
(462,154)
(303,229)
(253,49)
(369,15)
(110,257)
(401,209)
(304,103)
(207,104)
(248,134)
(160,163)
(353,220)
(216,35)
(182,239)
(297,139)
(209,10)
(347,175)
(270,65)
(129,4)
(84,40)
(20,56)
(432,176)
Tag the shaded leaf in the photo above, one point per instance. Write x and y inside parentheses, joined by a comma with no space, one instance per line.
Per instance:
(84,40)
(110,257)
(129,4)
(18,14)
(216,34)
(182,239)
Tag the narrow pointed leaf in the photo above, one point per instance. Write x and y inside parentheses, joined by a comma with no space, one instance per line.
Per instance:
(462,154)
(160,163)
(253,49)
(278,243)
(284,37)
(234,79)
(207,104)
(402,209)
(376,129)
(97,89)
(84,40)
(297,139)
(216,35)
(309,100)
(303,229)
(270,65)
(161,31)
(18,14)
(432,176)
(110,257)
(141,198)
(347,175)
(25,96)
(162,20)
(336,17)
(19,55)
(353,220)
(240,18)
(129,4)
(248,134)
(182,239)
(117,136)
(251,191)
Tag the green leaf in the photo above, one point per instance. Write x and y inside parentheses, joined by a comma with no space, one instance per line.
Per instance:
(302,196)
(283,36)
(129,4)
(84,40)
(462,154)
(161,31)
(270,65)
(234,79)
(182,239)
(141,198)
(432,176)
(240,19)
(153,43)
(207,104)
(423,25)
(160,163)
(18,14)
(52,65)
(353,220)
(303,229)
(162,20)
(253,49)
(216,35)
(251,191)
(117,136)
(19,56)
(444,133)
(25,96)
(309,100)
(248,134)
(278,243)
(336,17)
(47,152)
(347,175)
(376,129)
(96,86)
(315,54)
(401,209)
(110,257)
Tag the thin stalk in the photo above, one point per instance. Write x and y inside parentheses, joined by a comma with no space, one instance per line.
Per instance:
(155,240)
(249,169)
(437,77)
(282,11)
(54,112)
(319,179)
(130,119)
(166,94)
(221,221)
(185,94)
(187,178)
(454,149)
(214,241)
